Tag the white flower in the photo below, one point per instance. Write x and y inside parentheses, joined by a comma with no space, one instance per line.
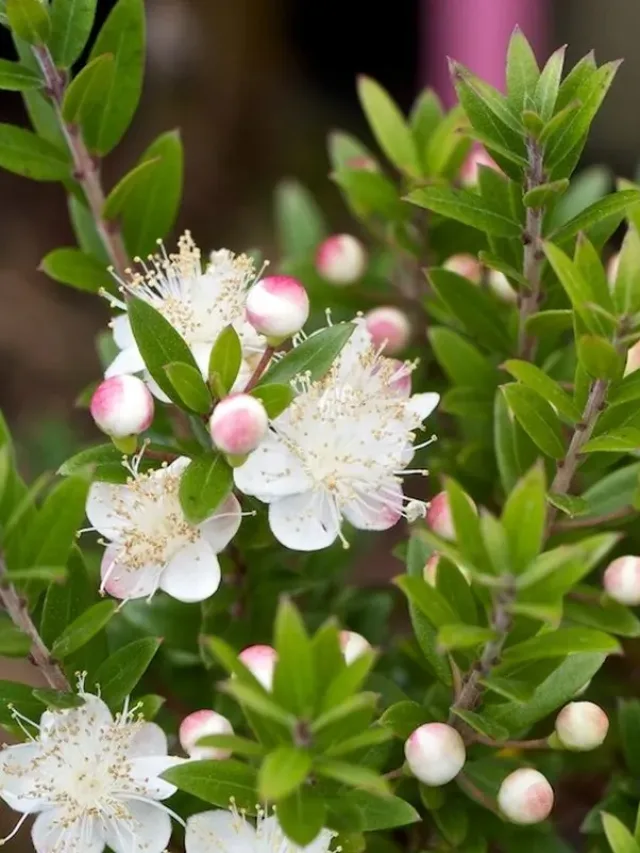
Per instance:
(339,451)
(92,780)
(199,303)
(151,545)
(229,832)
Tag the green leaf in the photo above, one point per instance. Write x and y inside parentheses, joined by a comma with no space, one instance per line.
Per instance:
(563,641)
(626,289)
(545,193)
(152,204)
(15,77)
(599,358)
(52,534)
(467,525)
(85,230)
(522,70)
(571,505)
(516,691)
(19,697)
(206,482)
(616,203)
(626,390)
(66,601)
(345,151)
(461,360)
(389,126)
(13,643)
(189,386)
(458,636)
(427,599)
(137,180)
(49,574)
(313,356)
(544,386)
(576,286)
(258,701)
(85,95)
(484,725)
(120,673)
(379,813)
(466,207)
(604,614)
(301,815)
(621,440)
(353,775)
(31,156)
(338,713)
(282,772)
(158,342)
(299,220)
(371,737)
(275,398)
(619,837)
(426,115)
(537,418)
(294,684)
(548,84)
(77,269)
(370,193)
(614,491)
(123,35)
(403,718)
(226,357)
(83,629)
(103,462)
(217,782)
(29,20)
(526,501)
(71,25)
(239,745)
(57,699)
(629,725)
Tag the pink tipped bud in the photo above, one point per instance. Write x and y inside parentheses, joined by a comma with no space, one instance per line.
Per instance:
(341,259)
(198,725)
(525,796)
(389,328)
(261,662)
(622,580)
(238,424)
(435,753)
(353,645)
(465,265)
(613,266)
(499,284)
(470,172)
(633,359)
(582,726)
(122,406)
(277,306)
(430,570)
(362,163)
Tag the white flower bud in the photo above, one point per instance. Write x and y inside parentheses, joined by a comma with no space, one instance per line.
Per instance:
(353,645)
(389,328)
(466,266)
(261,662)
(435,753)
(613,266)
(122,406)
(198,725)
(341,259)
(622,580)
(470,172)
(238,424)
(582,726)
(277,306)
(499,284)
(633,359)
(525,796)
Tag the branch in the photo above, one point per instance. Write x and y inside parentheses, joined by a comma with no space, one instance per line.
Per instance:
(533,257)
(539,743)
(623,514)
(86,170)
(260,369)
(16,608)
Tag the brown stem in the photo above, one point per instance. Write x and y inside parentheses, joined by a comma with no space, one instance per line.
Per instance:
(16,608)
(476,794)
(594,520)
(260,369)
(86,170)
(532,262)
(539,743)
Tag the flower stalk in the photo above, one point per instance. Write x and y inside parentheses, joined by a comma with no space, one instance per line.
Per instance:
(532,262)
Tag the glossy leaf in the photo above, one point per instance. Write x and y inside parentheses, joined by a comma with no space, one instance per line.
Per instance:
(83,629)
(313,356)
(576,286)
(225,358)
(352,775)
(621,440)
(427,600)
(84,97)
(533,377)
(294,683)
(463,363)
(526,501)
(31,156)
(459,636)
(468,208)
(545,193)
(217,782)
(389,126)
(599,358)
(522,70)
(548,84)
(120,673)
(77,269)
(282,772)
(29,20)
(559,643)
(189,386)
(205,483)
(616,203)
(626,289)
(403,718)
(485,726)
(301,815)
(619,837)
(537,418)
(15,77)
(275,398)
(378,813)
(299,220)
(71,25)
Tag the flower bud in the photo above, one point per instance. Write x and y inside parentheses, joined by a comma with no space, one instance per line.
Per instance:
(353,645)
(499,284)
(465,265)
(238,424)
(435,753)
(198,725)
(525,796)
(341,259)
(622,580)
(389,328)
(582,726)
(122,406)
(430,570)
(470,172)
(613,266)
(362,163)
(277,306)
(261,662)
(633,359)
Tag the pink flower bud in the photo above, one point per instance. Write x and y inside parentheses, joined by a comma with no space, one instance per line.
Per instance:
(430,570)
(389,328)
(439,517)
(465,265)
(122,406)
(499,284)
(198,725)
(277,306)
(362,163)
(525,796)
(435,753)
(341,259)
(633,359)
(261,662)
(353,645)
(613,266)
(470,172)
(238,424)
(622,580)
(582,726)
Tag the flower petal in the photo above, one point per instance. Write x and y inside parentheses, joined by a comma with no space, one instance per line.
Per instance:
(148,740)
(220,831)
(51,833)
(422,405)
(145,776)
(126,583)
(147,830)
(86,722)
(272,838)
(193,574)
(272,471)
(104,502)
(378,510)
(220,529)
(19,777)
(122,332)
(128,360)
(306,522)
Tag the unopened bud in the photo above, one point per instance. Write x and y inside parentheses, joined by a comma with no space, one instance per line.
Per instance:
(362,163)
(238,424)
(435,753)
(633,359)
(470,171)
(622,580)
(341,259)
(353,645)
(499,284)
(277,306)
(199,725)
(430,570)
(122,406)
(439,517)
(582,726)
(613,266)
(261,662)
(466,266)
(525,796)
(389,328)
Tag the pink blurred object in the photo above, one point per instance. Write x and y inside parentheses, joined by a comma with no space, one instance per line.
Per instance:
(476,33)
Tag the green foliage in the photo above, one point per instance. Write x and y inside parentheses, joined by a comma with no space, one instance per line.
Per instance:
(206,482)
